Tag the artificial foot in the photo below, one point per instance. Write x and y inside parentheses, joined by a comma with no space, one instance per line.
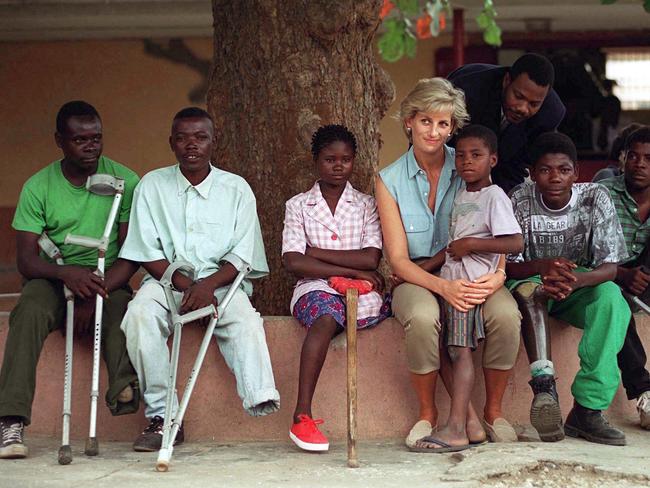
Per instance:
(545,413)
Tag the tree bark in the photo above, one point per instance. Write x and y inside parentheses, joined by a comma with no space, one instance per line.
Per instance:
(283,68)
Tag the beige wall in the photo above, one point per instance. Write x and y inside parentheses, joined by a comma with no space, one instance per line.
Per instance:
(136,95)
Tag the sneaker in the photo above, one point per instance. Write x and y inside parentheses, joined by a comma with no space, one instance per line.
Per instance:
(593,426)
(11,437)
(305,434)
(643,407)
(545,413)
(151,438)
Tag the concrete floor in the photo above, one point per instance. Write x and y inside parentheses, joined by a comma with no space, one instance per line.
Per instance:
(570,463)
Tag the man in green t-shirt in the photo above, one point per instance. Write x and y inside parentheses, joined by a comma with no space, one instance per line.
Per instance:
(54,200)
(630,193)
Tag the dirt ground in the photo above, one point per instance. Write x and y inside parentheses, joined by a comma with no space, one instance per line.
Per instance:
(567,464)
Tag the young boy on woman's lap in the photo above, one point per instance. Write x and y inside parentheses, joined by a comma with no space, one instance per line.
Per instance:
(483,228)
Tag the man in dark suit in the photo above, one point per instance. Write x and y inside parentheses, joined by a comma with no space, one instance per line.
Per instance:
(518,103)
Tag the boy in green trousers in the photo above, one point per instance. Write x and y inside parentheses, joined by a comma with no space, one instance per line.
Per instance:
(630,193)
(572,242)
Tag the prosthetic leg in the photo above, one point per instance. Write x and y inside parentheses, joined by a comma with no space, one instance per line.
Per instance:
(106,185)
(65,452)
(171,427)
(545,413)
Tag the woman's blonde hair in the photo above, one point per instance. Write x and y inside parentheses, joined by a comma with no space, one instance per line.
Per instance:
(434,95)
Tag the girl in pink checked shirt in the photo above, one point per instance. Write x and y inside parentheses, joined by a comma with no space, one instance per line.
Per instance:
(330,230)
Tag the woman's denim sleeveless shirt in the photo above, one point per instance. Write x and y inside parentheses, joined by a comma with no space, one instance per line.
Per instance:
(426,233)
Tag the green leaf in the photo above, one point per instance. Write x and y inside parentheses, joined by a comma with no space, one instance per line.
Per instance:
(410,44)
(392,25)
(391,46)
(408,7)
(483,20)
(646,6)
(492,35)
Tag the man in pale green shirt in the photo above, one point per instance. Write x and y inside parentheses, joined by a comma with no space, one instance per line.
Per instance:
(55,200)
(197,213)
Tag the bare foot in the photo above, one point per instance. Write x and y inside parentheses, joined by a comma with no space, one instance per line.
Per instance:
(443,438)
(475,432)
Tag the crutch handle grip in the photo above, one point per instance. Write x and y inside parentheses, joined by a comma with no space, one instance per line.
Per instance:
(67,293)
(197,314)
(183,266)
(82,241)
(49,248)
(233,288)
(641,304)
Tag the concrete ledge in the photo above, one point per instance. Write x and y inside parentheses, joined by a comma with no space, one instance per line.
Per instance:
(387,406)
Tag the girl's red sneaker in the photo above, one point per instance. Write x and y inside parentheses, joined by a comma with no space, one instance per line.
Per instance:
(305,434)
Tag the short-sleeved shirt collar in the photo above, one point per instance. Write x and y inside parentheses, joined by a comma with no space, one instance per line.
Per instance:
(315,195)
(448,167)
(619,184)
(203,188)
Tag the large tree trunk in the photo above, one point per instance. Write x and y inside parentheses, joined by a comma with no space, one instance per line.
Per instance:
(282,68)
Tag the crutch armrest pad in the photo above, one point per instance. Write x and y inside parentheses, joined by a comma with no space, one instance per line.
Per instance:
(186,268)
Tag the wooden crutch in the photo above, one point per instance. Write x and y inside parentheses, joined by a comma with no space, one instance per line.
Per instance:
(351,304)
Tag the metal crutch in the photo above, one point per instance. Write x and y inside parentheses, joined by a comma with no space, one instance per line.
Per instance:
(351,304)
(640,302)
(65,452)
(171,427)
(105,185)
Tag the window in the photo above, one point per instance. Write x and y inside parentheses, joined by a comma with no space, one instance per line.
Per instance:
(631,71)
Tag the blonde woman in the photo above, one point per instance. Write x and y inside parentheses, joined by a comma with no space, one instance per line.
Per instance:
(415,195)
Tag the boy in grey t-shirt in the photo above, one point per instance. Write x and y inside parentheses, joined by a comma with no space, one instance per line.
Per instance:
(573,241)
(483,228)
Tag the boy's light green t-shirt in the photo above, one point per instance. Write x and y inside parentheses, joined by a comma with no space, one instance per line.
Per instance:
(49,202)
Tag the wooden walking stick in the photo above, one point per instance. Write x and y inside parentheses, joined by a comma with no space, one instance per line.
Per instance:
(352,301)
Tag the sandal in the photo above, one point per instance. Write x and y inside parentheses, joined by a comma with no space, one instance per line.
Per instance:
(422,428)
(500,431)
(420,446)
